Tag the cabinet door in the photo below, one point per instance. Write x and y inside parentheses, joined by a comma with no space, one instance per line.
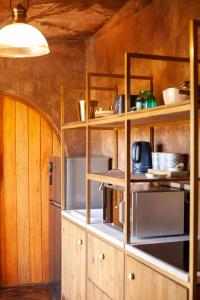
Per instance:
(143,283)
(73,262)
(94,293)
(106,267)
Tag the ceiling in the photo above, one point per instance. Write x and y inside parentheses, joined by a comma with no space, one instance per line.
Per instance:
(71,19)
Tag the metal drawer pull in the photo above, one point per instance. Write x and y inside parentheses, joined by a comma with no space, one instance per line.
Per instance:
(102,256)
(131,276)
(80,242)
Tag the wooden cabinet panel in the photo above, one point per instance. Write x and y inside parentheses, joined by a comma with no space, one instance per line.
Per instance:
(106,267)
(142,283)
(73,262)
(94,293)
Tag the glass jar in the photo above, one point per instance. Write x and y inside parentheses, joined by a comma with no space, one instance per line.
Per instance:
(139,101)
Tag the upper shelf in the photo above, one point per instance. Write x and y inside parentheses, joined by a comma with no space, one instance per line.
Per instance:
(159,114)
(163,113)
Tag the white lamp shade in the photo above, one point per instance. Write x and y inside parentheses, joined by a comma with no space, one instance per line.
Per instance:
(22,40)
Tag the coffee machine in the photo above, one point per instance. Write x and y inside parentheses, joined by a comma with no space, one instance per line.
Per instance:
(141,157)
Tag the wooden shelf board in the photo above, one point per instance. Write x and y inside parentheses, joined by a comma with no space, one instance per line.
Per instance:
(112,121)
(119,179)
(143,178)
(160,114)
(73,125)
(107,178)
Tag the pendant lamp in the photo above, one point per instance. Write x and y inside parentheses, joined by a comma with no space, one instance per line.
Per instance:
(20,39)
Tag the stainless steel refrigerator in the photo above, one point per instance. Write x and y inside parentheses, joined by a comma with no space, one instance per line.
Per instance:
(55,222)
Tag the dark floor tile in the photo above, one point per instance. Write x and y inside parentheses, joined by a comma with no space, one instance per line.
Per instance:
(28,293)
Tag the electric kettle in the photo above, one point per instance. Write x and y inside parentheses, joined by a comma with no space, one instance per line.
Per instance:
(141,157)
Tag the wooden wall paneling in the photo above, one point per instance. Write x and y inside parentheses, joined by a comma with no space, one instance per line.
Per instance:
(22,166)
(9,186)
(2,263)
(35,197)
(46,152)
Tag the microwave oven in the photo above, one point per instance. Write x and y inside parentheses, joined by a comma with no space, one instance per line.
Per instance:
(154,211)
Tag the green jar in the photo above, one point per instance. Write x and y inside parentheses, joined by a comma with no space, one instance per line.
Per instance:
(149,100)
(146,100)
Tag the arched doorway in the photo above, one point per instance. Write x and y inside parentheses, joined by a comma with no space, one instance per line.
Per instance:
(27,142)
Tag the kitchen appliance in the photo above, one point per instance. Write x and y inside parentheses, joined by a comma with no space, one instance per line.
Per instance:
(75,184)
(141,157)
(55,221)
(149,210)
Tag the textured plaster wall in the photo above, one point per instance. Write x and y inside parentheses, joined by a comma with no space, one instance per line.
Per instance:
(38,80)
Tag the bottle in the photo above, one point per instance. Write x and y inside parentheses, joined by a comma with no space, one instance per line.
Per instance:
(146,100)
(149,100)
(139,101)
(152,99)
(153,102)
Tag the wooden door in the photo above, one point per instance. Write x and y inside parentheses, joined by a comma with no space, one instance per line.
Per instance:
(73,262)
(27,142)
(142,283)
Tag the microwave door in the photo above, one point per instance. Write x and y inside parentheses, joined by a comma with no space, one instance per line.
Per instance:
(151,211)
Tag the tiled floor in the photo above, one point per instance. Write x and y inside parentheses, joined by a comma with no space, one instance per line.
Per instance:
(30,293)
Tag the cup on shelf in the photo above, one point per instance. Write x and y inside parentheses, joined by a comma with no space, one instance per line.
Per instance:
(82,110)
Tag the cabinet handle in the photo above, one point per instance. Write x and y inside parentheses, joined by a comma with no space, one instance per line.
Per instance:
(102,256)
(131,276)
(80,242)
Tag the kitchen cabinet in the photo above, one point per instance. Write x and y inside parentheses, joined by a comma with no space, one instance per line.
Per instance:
(106,267)
(73,262)
(95,293)
(143,283)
